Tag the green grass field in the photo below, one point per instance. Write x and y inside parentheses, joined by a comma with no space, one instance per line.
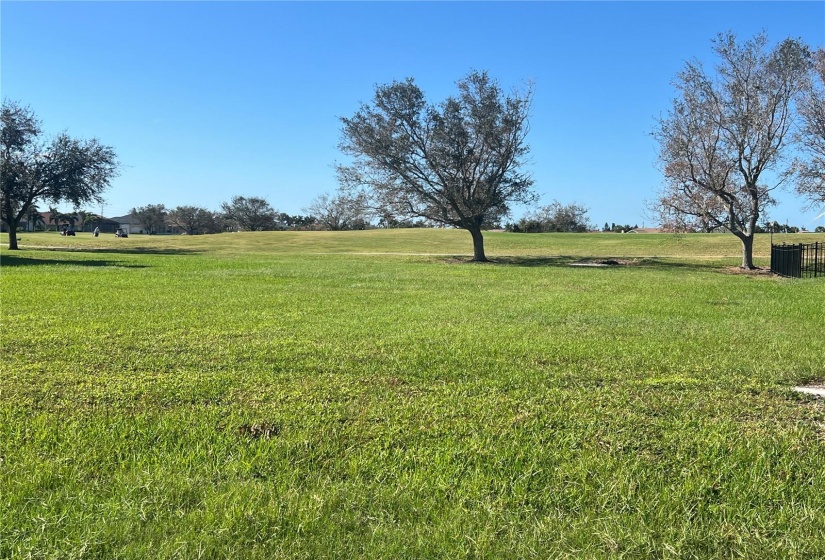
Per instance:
(374,395)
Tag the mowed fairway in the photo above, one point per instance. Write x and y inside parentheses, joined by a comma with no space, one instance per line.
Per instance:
(374,395)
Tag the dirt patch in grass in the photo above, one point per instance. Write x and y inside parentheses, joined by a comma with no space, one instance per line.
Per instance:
(758,271)
(604,262)
(263,430)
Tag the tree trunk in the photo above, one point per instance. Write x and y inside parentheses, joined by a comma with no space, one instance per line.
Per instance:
(747,251)
(478,245)
(13,234)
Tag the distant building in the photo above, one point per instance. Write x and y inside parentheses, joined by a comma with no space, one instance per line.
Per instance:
(45,223)
(106,225)
(131,226)
(648,230)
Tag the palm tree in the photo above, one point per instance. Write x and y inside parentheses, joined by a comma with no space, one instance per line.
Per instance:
(89,219)
(34,218)
(55,216)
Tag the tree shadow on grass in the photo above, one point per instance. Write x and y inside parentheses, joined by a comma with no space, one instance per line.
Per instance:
(716,265)
(13,260)
(123,251)
(604,263)
(101,251)
(531,262)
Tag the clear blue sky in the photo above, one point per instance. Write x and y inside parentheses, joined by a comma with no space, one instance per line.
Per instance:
(206,100)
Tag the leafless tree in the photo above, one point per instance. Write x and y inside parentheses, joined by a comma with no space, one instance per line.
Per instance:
(555,218)
(809,171)
(456,163)
(683,208)
(726,130)
(341,211)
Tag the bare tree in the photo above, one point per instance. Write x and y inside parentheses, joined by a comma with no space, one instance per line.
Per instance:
(726,130)
(341,211)
(683,209)
(33,169)
(456,163)
(810,171)
(554,218)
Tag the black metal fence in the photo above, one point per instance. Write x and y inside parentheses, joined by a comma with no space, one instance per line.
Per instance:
(798,260)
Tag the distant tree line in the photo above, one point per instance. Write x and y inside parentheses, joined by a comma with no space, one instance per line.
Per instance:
(553,218)
(239,214)
(333,212)
(618,228)
(776,227)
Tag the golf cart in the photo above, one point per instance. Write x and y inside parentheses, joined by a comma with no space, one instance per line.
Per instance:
(120,232)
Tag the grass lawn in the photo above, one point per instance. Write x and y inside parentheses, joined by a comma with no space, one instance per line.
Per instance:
(374,395)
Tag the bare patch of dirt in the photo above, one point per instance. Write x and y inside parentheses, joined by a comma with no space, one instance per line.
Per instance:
(604,262)
(263,430)
(758,271)
(395,382)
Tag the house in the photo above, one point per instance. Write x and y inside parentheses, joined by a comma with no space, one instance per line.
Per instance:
(42,221)
(105,225)
(647,230)
(131,226)
(73,221)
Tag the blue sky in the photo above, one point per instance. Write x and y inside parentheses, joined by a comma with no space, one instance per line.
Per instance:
(206,100)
